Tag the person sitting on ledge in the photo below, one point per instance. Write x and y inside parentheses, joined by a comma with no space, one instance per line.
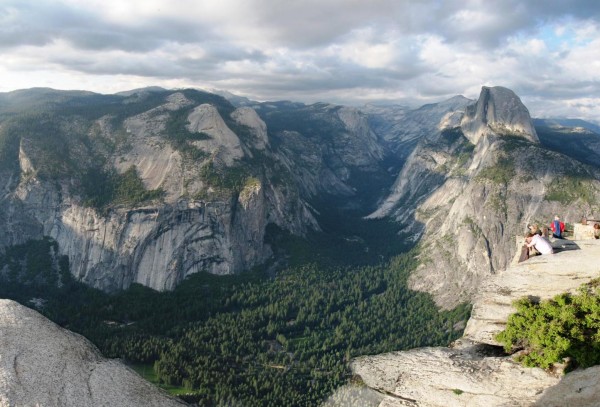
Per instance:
(535,229)
(558,228)
(540,244)
(596,230)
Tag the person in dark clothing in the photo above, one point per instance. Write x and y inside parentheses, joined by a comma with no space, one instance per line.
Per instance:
(558,228)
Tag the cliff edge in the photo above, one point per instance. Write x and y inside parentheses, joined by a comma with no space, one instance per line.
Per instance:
(42,364)
(474,371)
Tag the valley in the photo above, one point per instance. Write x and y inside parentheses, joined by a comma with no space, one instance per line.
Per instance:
(248,339)
(244,255)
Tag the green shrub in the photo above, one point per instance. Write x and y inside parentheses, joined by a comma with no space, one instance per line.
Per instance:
(552,330)
(513,142)
(102,189)
(500,173)
(451,136)
(230,178)
(568,189)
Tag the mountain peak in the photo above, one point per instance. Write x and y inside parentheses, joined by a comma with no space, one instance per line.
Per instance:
(498,111)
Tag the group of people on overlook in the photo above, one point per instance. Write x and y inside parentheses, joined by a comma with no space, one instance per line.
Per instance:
(536,241)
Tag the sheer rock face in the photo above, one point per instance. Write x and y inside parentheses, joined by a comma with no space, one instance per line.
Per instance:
(156,245)
(466,192)
(498,110)
(473,371)
(42,364)
(196,225)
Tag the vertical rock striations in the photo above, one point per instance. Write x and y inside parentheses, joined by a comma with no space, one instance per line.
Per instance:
(151,186)
(466,191)
(498,110)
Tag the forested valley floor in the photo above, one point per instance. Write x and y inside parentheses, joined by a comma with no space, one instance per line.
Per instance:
(262,338)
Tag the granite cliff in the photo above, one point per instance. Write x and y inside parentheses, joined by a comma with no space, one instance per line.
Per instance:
(154,185)
(483,176)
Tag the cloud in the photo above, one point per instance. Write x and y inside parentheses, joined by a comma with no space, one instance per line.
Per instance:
(347,51)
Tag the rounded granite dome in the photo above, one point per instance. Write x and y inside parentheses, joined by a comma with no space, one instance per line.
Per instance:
(498,111)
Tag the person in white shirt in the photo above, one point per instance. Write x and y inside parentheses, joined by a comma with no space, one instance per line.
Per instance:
(541,245)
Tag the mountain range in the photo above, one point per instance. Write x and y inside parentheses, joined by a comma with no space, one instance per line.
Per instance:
(152,187)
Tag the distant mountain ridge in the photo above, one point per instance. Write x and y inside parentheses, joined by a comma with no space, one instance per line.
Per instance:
(153,185)
(568,124)
(581,142)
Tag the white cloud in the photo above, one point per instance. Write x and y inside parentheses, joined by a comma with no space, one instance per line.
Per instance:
(346,51)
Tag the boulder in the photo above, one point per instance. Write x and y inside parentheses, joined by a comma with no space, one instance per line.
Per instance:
(42,364)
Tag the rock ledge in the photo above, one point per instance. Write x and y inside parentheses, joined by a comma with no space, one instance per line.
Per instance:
(473,372)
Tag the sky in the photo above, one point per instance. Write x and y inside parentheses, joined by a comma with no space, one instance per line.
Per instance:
(338,51)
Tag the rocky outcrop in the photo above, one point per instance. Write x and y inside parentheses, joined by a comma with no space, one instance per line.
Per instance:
(466,192)
(469,377)
(247,116)
(498,110)
(473,372)
(352,395)
(222,141)
(159,164)
(42,364)
(540,277)
(223,176)
(445,377)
